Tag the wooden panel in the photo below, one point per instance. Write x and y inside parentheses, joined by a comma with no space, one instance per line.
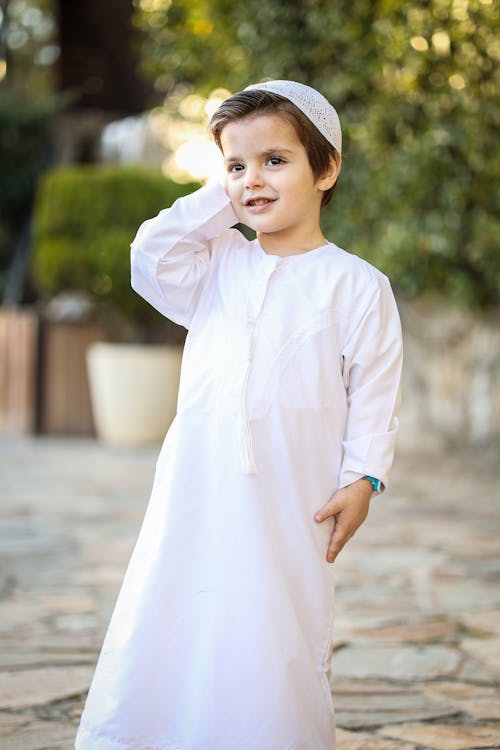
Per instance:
(64,396)
(18,352)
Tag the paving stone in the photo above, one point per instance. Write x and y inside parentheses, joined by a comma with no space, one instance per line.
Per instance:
(406,663)
(458,690)
(14,614)
(483,709)
(474,670)
(33,687)
(77,622)
(53,641)
(447,736)
(10,722)
(422,632)
(65,601)
(363,741)
(361,704)
(482,623)
(40,735)
(480,702)
(456,596)
(486,650)
(16,658)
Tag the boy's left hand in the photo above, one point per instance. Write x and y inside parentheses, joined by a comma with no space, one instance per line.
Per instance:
(349,508)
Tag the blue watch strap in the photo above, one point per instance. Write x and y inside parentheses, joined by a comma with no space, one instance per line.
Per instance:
(375,483)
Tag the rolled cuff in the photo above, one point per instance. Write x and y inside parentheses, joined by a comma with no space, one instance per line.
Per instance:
(370,454)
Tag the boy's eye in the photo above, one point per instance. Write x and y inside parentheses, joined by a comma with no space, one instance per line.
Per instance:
(274,161)
(236,167)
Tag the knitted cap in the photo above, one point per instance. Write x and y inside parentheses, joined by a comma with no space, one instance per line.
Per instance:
(313,104)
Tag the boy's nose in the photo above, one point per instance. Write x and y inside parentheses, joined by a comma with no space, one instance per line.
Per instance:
(253,177)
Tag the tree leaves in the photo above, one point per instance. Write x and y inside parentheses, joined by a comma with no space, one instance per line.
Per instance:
(415,86)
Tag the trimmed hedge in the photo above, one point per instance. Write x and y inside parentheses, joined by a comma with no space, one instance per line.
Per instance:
(84,221)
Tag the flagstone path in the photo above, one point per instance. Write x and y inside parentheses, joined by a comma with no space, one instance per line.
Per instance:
(416,664)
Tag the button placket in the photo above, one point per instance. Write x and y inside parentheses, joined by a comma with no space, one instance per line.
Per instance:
(247,450)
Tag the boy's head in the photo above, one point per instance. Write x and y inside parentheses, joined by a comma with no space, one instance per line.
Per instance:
(314,119)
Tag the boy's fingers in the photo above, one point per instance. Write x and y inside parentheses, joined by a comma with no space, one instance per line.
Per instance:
(331,508)
(338,540)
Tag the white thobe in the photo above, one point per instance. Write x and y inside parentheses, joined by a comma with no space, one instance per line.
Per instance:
(222,632)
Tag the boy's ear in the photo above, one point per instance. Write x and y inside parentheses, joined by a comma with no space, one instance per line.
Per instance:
(329,178)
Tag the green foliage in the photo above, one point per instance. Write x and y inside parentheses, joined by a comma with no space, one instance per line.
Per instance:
(416,86)
(85,219)
(28,31)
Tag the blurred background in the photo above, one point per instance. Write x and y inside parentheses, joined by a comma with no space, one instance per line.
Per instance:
(103,113)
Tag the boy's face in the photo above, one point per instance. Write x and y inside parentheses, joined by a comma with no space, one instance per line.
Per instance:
(271,184)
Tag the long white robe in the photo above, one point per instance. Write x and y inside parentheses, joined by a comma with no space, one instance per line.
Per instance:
(222,632)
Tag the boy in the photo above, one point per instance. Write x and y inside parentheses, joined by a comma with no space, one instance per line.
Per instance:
(222,633)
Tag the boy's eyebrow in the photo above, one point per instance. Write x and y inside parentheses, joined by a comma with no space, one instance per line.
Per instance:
(266,152)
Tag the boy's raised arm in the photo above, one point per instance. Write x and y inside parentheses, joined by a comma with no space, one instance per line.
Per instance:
(170,255)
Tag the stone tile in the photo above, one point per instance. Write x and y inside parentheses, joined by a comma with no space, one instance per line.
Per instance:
(53,641)
(405,663)
(482,709)
(348,621)
(103,577)
(458,690)
(77,622)
(14,614)
(481,623)
(459,596)
(364,741)
(361,704)
(33,687)
(10,722)
(40,735)
(64,601)
(482,703)
(16,659)
(486,650)
(418,632)
(474,670)
(447,736)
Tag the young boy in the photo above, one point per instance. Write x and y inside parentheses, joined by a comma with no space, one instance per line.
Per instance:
(222,633)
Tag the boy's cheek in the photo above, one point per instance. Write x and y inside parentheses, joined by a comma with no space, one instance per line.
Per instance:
(235,200)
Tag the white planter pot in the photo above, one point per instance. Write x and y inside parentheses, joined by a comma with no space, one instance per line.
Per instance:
(134,390)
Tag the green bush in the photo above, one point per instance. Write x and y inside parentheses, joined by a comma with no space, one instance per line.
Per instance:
(85,219)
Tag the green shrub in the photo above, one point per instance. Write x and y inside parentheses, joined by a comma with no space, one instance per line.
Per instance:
(85,219)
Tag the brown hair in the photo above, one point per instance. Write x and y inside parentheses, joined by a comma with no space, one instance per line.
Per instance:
(248,103)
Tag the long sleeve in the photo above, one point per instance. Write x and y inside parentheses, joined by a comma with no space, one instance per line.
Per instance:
(170,255)
(372,373)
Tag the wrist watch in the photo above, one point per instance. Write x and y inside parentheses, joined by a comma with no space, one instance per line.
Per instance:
(375,483)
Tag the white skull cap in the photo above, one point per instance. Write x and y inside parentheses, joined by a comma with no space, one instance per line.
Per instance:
(313,104)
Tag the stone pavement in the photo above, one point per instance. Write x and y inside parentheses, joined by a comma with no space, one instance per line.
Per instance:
(417,658)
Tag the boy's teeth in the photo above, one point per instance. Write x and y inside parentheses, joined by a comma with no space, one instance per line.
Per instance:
(259,202)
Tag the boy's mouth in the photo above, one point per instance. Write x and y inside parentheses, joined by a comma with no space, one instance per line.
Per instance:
(258,201)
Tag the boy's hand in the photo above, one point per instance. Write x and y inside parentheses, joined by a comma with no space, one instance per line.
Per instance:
(349,508)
